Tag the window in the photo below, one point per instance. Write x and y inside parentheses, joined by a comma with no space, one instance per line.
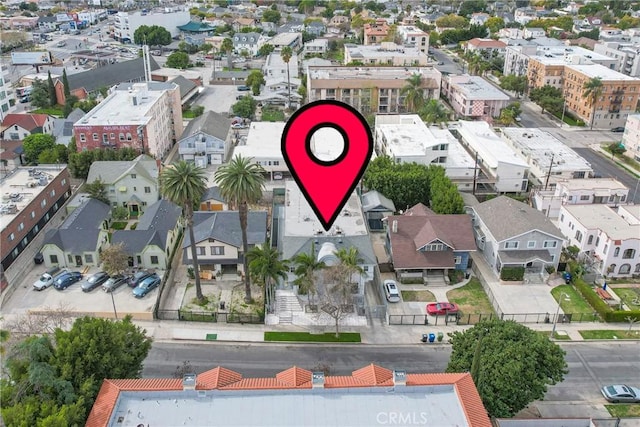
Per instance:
(128,136)
(585,197)
(616,252)
(95,137)
(597,241)
(147,190)
(217,250)
(625,269)
(606,248)
(33,214)
(154,259)
(562,218)
(88,258)
(70,258)
(53,193)
(121,136)
(64,181)
(21,226)
(550,244)
(133,176)
(590,240)
(637,270)
(531,244)
(83,138)
(43,203)
(12,236)
(629,253)
(457,259)
(365,268)
(53,259)
(105,138)
(112,136)
(511,245)
(201,250)
(579,236)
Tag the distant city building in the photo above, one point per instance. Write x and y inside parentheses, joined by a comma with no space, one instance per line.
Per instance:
(414,37)
(473,96)
(386,53)
(126,23)
(376,32)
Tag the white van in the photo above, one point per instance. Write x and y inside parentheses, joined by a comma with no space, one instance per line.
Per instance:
(391,291)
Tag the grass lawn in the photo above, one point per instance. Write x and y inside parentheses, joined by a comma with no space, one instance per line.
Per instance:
(307,337)
(425,296)
(560,337)
(471,298)
(52,111)
(189,114)
(627,295)
(572,302)
(119,225)
(623,410)
(613,334)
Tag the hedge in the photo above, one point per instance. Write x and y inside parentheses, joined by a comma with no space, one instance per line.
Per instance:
(512,273)
(621,316)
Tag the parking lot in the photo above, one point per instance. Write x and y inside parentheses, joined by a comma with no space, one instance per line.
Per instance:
(94,303)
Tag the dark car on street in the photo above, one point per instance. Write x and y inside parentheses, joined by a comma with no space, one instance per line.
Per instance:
(114,283)
(138,277)
(146,285)
(64,280)
(94,281)
(618,129)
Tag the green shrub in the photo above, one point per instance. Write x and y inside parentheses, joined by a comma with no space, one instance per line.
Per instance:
(512,274)
(412,281)
(601,307)
(621,316)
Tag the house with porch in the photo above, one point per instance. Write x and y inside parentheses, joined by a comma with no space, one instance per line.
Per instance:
(80,238)
(376,208)
(150,245)
(212,200)
(424,245)
(510,233)
(204,140)
(218,239)
(132,184)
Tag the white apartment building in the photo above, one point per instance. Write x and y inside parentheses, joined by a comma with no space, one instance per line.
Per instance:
(473,96)
(607,191)
(548,158)
(5,92)
(608,238)
(126,23)
(414,36)
(263,145)
(631,136)
(316,47)
(627,54)
(502,170)
(275,67)
(386,53)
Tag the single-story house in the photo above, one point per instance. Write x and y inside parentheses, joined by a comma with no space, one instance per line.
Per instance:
(376,207)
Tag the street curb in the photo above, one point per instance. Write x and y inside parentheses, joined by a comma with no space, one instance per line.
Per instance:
(298,343)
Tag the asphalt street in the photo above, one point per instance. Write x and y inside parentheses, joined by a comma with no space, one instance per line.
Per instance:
(606,168)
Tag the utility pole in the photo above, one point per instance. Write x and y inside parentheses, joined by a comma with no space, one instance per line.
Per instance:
(475,173)
(546,182)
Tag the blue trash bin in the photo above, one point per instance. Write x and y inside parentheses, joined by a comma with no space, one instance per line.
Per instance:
(432,337)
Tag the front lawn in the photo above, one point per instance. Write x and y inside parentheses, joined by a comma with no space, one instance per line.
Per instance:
(556,335)
(623,410)
(471,298)
(610,334)
(573,303)
(119,225)
(422,296)
(307,337)
(52,111)
(628,296)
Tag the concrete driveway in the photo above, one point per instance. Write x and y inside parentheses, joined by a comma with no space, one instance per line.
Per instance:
(218,98)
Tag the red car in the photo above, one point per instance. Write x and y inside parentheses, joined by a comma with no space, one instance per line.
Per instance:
(441,308)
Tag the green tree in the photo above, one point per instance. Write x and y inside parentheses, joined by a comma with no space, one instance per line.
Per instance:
(286,53)
(184,184)
(407,184)
(227,48)
(52,90)
(413,93)
(119,213)
(115,259)
(616,149)
(57,154)
(34,144)
(255,80)
(65,83)
(350,261)
(452,21)
(40,94)
(270,15)
(265,49)
(433,112)
(494,24)
(245,107)
(444,195)
(592,90)
(153,35)
(306,267)
(178,60)
(517,84)
(627,22)
(69,104)
(507,355)
(98,191)
(266,267)
(471,6)
(306,6)
(241,182)
(509,113)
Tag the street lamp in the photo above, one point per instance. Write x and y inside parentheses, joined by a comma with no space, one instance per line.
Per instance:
(555,320)
(113,301)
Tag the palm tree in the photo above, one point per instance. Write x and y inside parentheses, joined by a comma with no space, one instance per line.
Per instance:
(184,184)
(241,182)
(592,91)
(349,261)
(286,53)
(265,267)
(433,112)
(227,48)
(413,93)
(306,266)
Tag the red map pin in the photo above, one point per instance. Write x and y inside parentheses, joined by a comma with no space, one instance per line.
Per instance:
(327,185)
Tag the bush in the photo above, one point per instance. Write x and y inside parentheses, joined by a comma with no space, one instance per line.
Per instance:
(191,273)
(601,307)
(512,274)
(621,316)
(550,269)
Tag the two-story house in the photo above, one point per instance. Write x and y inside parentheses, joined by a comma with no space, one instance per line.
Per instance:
(204,139)
(510,233)
(249,42)
(132,184)
(19,126)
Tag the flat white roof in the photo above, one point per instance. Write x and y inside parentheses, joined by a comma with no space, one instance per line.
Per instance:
(378,73)
(475,87)
(593,184)
(602,217)
(457,156)
(599,70)
(562,54)
(404,140)
(20,187)
(490,147)
(389,50)
(301,221)
(540,147)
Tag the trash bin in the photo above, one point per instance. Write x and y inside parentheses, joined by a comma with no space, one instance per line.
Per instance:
(440,336)
(425,337)
(221,305)
(467,275)
(432,337)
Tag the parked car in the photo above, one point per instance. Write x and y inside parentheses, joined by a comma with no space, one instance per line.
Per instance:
(43,282)
(64,280)
(277,176)
(621,393)
(138,277)
(441,308)
(94,281)
(146,285)
(61,43)
(38,258)
(114,282)
(618,129)
(25,99)
(237,126)
(244,88)
(391,291)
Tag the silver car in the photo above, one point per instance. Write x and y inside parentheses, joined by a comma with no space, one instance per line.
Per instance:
(391,291)
(621,393)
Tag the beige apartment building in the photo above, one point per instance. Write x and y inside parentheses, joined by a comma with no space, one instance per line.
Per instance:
(370,89)
(376,32)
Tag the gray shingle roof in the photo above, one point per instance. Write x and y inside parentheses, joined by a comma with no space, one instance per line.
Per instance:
(63,127)
(373,200)
(210,123)
(212,193)
(506,218)
(186,85)
(109,75)
(79,232)
(109,172)
(225,227)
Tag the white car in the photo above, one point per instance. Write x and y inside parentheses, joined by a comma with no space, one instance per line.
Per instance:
(391,291)
(43,282)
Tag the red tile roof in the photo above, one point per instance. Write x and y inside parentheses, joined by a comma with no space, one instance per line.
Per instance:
(25,121)
(292,378)
(487,43)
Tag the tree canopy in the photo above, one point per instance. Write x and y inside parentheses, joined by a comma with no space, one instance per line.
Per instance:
(245,107)
(452,21)
(34,144)
(178,60)
(503,357)
(79,163)
(153,35)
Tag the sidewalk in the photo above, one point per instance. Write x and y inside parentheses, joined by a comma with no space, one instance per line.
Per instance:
(598,148)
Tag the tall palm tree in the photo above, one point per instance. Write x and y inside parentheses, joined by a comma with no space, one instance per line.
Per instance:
(306,266)
(184,184)
(266,267)
(349,261)
(433,112)
(592,91)
(413,93)
(241,182)
(227,47)
(286,53)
